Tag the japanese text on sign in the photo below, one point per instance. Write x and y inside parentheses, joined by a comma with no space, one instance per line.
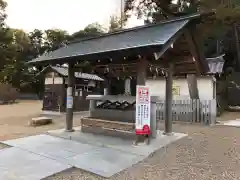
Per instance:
(143,110)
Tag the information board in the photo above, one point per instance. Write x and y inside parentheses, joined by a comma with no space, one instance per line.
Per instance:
(143,111)
(69,102)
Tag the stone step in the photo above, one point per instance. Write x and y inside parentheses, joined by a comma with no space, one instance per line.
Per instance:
(108,128)
(108,124)
(39,121)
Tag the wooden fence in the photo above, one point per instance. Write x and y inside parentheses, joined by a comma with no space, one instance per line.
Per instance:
(195,111)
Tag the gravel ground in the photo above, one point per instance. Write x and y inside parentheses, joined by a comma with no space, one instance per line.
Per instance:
(226,116)
(208,153)
(14,120)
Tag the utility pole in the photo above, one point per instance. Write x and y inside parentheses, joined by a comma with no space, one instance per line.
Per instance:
(236,38)
(121,15)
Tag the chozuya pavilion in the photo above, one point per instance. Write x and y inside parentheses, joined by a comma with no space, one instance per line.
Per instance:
(168,48)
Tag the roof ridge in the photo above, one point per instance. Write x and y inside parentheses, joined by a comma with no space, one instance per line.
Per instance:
(181,18)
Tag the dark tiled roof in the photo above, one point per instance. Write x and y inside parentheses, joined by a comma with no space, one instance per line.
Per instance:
(143,36)
(216,64)
(64,72)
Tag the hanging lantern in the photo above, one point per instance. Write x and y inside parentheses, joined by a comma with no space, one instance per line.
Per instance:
(157,70)
(150,69)
(106,70)
(123,68)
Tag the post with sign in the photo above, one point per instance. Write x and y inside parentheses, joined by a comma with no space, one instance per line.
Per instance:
(143,111)
(70,94)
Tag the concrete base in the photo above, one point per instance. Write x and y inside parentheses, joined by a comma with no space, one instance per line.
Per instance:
(168,134)
(104,156)
(102,127)
(52,113)
(124,145)
(235,123)
(109,132)
(69,130)
(16,164)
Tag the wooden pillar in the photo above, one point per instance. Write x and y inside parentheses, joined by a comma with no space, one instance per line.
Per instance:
(105,91)
(107,83)
(192,86)
(92,106)
(168,100)
(142,72)
(70,98)
(127,86)
(153,123)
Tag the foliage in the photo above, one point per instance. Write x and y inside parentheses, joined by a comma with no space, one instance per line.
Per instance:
(213,31)
(55,38)
(91,30)
(7,93)
(17,47)
(156,10)
(117,23)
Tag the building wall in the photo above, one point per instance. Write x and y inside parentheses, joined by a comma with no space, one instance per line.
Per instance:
(180,86)
(53,78)
(55,93)
(48,80)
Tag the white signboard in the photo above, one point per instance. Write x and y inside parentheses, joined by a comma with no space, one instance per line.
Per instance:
(69,102)
(143,104)
(69,91)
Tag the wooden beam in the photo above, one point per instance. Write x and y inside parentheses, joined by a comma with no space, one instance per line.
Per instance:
(194,51)
(185,66)
(142,71)
(167,45)
(178,52)
(197,50)
(192,86)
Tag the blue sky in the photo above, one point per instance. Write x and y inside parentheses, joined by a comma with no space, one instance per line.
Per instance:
(70,15)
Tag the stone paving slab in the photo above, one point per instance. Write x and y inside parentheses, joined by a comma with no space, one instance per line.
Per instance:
(117,143)
(101,155)
(105,161)
(51,147)
(18,164)
(235,123)
(32,141)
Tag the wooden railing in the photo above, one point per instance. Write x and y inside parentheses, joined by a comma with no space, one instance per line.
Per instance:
(195,111)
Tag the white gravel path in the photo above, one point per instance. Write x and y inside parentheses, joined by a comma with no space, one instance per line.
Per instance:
(208,153)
